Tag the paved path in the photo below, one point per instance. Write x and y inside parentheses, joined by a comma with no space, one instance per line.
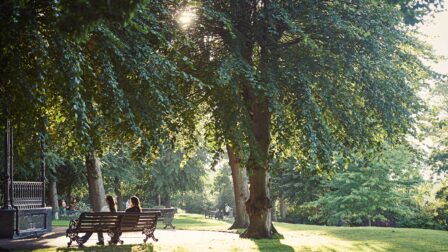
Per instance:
(169,240)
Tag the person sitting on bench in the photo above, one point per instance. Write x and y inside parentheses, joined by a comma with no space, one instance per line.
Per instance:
(134,206)
(109,207)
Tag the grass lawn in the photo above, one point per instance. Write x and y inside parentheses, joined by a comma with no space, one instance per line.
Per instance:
(300,238)
(181,221)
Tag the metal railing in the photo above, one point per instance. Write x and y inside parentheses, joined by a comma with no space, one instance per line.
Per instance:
(1,198)
(27,195)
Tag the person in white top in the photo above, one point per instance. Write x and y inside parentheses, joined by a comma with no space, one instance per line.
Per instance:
(109,207)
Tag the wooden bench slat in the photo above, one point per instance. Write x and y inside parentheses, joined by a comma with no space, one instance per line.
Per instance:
(113,222)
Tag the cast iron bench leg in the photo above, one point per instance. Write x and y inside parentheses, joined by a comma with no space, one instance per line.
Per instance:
(149,233)
(112,233)
(72,233)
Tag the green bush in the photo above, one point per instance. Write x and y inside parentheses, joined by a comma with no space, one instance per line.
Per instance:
(193,202)
(419,219)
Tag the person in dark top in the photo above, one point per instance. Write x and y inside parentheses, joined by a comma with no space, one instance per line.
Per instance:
(134,206)
(110,207)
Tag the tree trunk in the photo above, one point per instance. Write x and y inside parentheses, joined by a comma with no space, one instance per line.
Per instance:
(258,207)
(117,189)
(54,199)
(259,204)
(240,190)
(167,201)
(256,102)
(95,181)
(70,198)
(283,208)
(273,212)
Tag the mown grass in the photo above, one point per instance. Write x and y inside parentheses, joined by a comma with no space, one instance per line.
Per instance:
(181,221)
(198,222)
(304,238)
(323,238)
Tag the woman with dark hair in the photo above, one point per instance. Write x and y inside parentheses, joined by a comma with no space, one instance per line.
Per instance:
(134,206)
(109,207)
(110,204)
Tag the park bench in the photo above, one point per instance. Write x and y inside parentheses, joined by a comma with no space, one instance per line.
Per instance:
(214,214)
(167,215)
(210,214)
(113,223)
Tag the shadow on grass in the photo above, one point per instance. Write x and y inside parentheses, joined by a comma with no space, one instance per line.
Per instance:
(123,248)
(274,245)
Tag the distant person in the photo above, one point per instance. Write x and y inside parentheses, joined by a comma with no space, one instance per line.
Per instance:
(134,205)
(109,207)
(63,207)
(74,205)
(227,210)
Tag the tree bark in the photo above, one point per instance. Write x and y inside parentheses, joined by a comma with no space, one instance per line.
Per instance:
(95,181)
(54,199)
(273,212)
(117,189)
(283,208)
(167,201)
(259,204)
(258,207)
(240,189)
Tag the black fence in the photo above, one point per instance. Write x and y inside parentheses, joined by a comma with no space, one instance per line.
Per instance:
(23,213)
(27,195)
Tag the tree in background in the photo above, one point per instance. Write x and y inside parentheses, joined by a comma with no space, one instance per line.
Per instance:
(438,132)
(240,188)
(294,186)
(167,176)
(373,190)
(121,173)
(222,187)
(72,179)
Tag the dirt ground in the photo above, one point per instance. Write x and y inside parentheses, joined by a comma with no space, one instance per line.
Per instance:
(169,240)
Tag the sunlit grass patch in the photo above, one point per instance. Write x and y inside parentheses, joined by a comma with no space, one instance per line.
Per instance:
(199,222)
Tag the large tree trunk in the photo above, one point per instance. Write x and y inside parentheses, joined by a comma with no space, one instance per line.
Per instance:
(95,181)
(283,208)
(240,190)
(117,189)
(54,199)
(258,207)
(259,204)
